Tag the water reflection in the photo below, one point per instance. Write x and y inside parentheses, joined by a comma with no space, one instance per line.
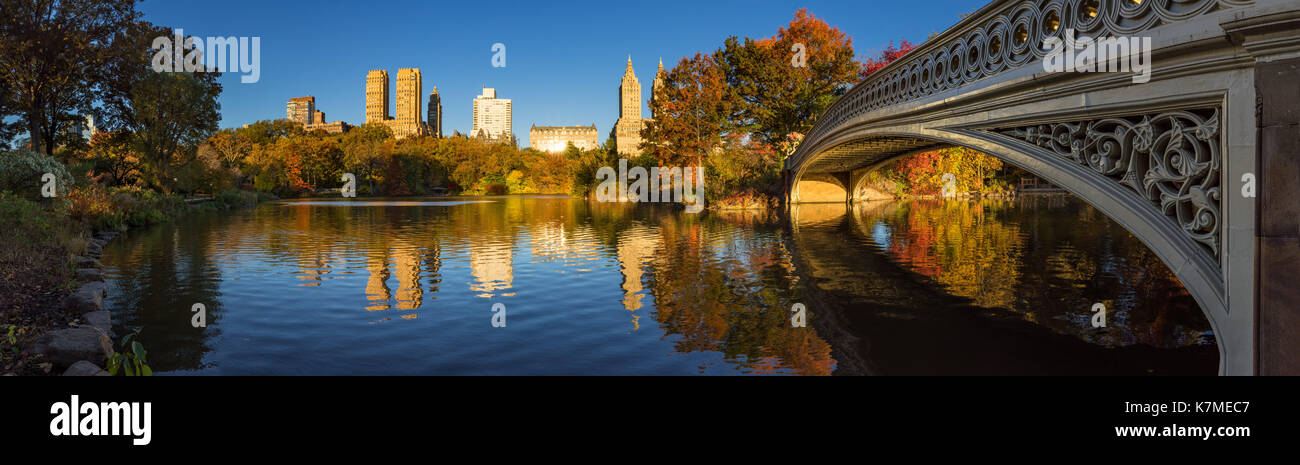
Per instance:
(935,287)
(326,287)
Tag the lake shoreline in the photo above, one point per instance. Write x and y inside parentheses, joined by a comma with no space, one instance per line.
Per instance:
(70,332)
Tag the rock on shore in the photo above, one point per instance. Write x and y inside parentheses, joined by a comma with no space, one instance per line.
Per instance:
(85,368)
(87,298)
(68,346)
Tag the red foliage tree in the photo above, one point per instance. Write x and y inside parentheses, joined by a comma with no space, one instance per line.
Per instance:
(887,56)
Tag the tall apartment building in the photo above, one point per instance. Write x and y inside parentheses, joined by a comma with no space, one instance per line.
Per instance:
(407,122)
(558,138)
(376,96)
(435,113)
(493,117)
(301,109)
(410,86)
(627,131)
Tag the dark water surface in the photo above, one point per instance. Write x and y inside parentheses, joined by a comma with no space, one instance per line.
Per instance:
(409,287)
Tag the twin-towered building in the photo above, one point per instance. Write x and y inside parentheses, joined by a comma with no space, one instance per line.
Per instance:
(408,122)
(627,131)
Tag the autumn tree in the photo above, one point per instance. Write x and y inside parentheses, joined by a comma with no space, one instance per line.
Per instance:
(784,82)
(365,149)
(692,110)
(231,148)
(887,56)
(114,157)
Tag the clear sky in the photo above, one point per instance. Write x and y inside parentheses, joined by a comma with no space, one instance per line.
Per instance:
(564,59)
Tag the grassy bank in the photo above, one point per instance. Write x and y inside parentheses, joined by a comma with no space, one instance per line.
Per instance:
(38,258)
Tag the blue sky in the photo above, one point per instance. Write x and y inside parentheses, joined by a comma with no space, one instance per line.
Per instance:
(564,60)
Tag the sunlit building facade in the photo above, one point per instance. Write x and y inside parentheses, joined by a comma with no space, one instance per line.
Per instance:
(301,110)
(493,118)
(627,131)
(376,96)
(556,139)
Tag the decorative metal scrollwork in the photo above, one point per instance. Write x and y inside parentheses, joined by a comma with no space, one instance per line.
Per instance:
(1171,159)
(1008,38)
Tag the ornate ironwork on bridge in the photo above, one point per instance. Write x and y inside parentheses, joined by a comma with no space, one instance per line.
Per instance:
(1171,159)
(1162,157)
(1009,37)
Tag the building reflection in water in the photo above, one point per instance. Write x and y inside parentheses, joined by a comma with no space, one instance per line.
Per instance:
(898,287)
(377,291)
(492,265)
(635,248)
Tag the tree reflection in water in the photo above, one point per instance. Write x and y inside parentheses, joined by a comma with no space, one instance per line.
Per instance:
(987,287)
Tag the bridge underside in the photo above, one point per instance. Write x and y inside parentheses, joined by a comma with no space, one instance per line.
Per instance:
(1166,159)
(830,178)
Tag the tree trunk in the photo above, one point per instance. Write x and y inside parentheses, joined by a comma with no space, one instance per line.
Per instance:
(34,133)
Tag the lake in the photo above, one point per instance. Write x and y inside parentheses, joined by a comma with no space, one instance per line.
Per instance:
(551,285)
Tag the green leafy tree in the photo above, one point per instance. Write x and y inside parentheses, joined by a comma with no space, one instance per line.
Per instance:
(171,114)
(53,55)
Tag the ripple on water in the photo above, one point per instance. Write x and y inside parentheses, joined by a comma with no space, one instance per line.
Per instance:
(408,287)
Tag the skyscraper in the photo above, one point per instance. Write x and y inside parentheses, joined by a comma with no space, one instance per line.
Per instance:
(654,88)
(435,113)
(493,117)
(629,94)
(376,96)
(627,131)
(409,87)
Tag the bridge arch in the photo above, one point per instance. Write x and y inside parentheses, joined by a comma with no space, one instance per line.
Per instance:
(1185,257)
(1162,158)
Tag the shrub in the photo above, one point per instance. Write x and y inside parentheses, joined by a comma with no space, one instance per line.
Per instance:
(101,208)
(94,206)
(238,198)
(21,172)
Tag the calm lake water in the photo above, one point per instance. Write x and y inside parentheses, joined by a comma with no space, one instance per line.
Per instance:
(893,288)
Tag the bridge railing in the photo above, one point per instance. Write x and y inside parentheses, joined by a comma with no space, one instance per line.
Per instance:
(1003,35)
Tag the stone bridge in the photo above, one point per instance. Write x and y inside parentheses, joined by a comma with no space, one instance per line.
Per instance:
(1201,162)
